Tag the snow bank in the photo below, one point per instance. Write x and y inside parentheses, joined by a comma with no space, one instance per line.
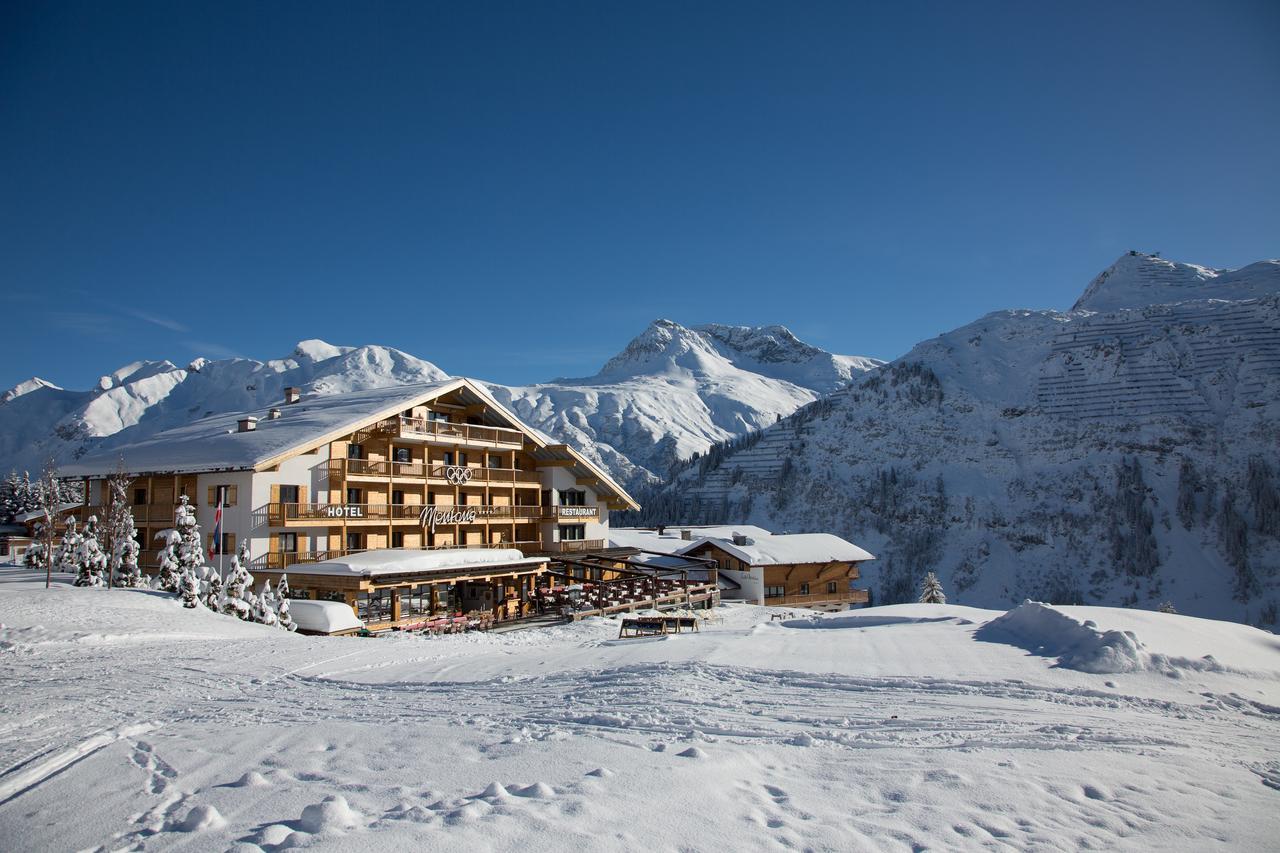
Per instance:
(323,617)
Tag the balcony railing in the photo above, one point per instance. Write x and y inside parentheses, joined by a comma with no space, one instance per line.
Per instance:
(449,431)
(142,513)
(455,474)
(572,546)
(279,514)
(849,596)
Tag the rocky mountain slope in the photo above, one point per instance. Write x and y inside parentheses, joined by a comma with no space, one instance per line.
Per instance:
(675,391)
(672,392)
(1120,453)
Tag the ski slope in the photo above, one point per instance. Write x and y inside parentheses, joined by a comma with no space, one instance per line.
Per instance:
(133,724)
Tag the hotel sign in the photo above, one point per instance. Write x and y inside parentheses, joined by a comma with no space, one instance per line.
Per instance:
(433,515)
(344,511)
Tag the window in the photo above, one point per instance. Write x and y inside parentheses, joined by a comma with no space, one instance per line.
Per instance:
(831,587)
(495,461)
(448,457)
(288,494)
(222,495)
(573,497)
(402,454)
(355,451)
(355,496)
(438,416)
(374,606)
(462,457)
(289,543)
(573,532)
(397,539)
(804,589)
(355,541)
(139,497)
(397,497)
(300,594)
(775,591)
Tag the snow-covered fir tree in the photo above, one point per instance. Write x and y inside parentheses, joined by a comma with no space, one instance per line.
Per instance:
(189,589)
(190,552)
(122,536)
(170,572)
(931,590)
(239,582)
(283,617)
(91,562)
(265,611)
(34,558)
(213,592)
(67,558)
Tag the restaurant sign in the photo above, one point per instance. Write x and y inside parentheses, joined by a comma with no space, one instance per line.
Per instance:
(577,511)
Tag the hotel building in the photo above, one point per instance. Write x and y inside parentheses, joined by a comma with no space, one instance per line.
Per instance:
(434,466)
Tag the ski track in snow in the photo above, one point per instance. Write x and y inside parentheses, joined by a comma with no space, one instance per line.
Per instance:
(253,741)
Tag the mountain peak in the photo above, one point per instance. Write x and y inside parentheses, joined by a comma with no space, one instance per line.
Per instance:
(1138,279)
(35,383)
(314,349)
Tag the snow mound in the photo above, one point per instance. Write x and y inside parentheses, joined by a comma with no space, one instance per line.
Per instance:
(201,819)
(252,779)
(1082,646)
(1077,645)
(333,814)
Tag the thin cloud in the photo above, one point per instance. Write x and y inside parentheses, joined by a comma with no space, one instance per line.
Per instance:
(206,348)
(162,322)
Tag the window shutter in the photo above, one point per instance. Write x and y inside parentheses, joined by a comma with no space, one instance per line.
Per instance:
(275,493)
(302,494)
(231,541)
(275,543)
(213,496)
(231,495)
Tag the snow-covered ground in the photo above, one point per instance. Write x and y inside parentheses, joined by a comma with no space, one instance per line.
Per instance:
(128,722)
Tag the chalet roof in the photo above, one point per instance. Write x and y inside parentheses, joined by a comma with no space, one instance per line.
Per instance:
(215,443)
(776,549)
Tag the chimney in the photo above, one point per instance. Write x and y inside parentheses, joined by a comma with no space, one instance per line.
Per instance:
(739,539)
(248,424)
(686,535)
(292,394)
(273,414)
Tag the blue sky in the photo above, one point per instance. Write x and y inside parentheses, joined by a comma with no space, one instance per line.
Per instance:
(513,192)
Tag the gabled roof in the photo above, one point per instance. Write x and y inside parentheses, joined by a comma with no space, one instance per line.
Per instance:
(787,549)
(215,444)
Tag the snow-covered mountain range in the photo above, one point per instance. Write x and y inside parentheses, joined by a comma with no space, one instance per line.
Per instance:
(1124,452)
(670,393)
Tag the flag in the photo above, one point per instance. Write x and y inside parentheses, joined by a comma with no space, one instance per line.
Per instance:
(215,547)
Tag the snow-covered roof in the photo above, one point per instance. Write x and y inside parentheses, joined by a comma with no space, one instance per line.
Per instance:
(37,514)
(323,617)
(214,444)
(671,540)
(775,549)
(407,561)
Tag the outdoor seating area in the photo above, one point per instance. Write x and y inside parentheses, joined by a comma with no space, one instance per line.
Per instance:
(629,593)
(448,623)
(648,626)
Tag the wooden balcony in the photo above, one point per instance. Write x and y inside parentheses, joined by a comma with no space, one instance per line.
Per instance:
(382,469)
(149,514)
(573,546)
(313,515)
(850,596)
(447,432)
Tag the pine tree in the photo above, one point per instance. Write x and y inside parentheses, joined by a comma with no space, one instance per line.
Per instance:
(265,611)
(170,572)
(189,589)
(931,590)
(67,558)
(122,536)
(190,553)
(34,558)
(283,617)
(10,501)
(91,562)
(239,582)
(213,592)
